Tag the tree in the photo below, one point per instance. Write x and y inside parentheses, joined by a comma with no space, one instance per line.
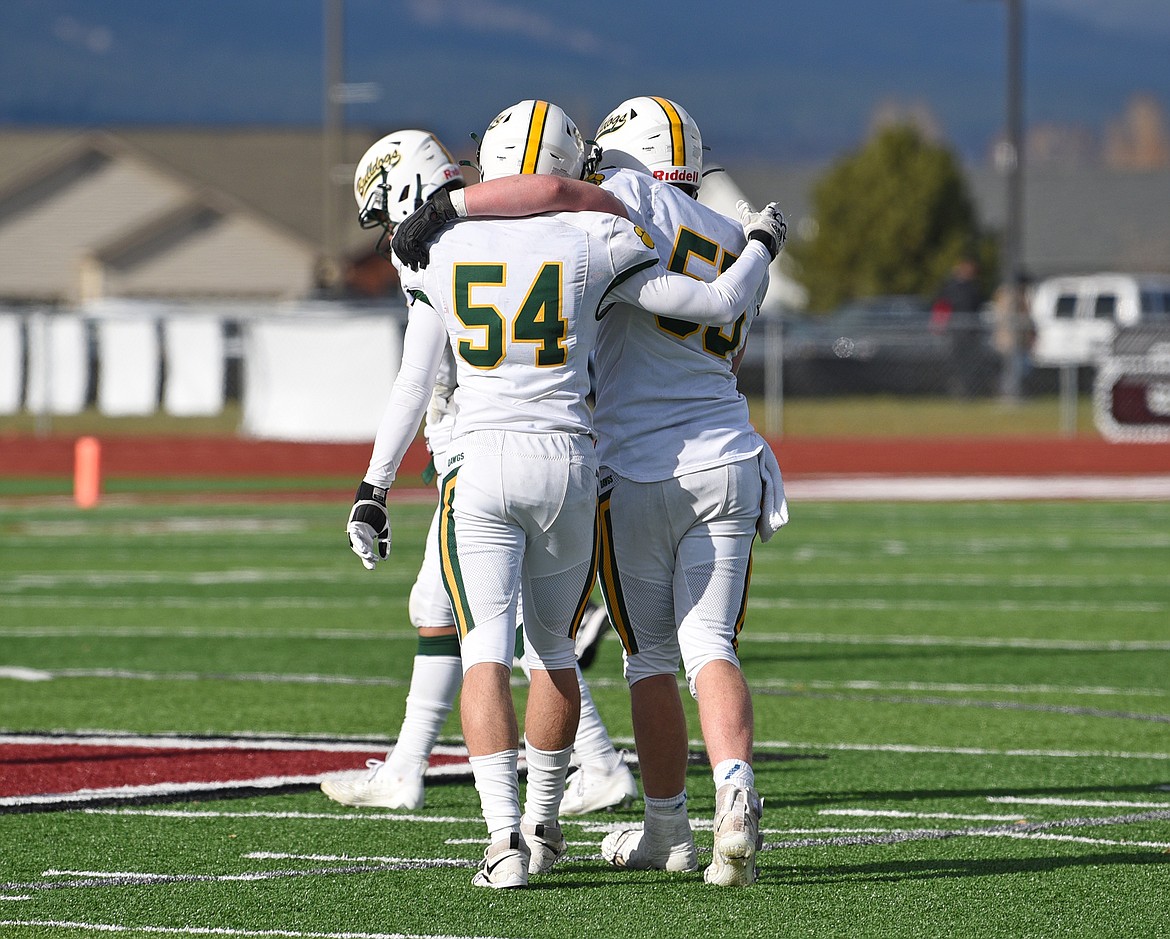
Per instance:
(892,217)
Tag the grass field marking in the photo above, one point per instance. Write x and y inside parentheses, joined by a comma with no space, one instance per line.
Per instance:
(381,635)
(1080,803)
(192,815)
(860,685)
(1043,581)
(23,674)
(123,674)
(966,642)
(1016,829)
(1071,710)
(166,525)
(873,605)
(878,605)
(977,488)
(378,859)
(896,813)
(85,879)
(38,581)
(191,603)
(957,751)
(220,931)
(1046,836)
(203,633)
(234,742)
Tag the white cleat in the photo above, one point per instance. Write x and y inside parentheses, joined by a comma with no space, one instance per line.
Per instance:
(505,864)
(639,850)
(379,787)
(590,790)
(546,844)
(737,838)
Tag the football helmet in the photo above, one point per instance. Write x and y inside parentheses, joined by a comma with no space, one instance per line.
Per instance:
(531,137)
(656,136)
(398,173)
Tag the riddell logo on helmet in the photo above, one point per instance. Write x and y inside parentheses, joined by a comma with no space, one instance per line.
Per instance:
(677,174)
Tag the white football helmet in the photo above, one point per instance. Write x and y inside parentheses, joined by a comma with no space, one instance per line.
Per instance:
(398,173)
(531,137)
(656,136)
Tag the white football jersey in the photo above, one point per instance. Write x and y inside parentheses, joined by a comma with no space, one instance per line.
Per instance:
(519,300)
(667,400)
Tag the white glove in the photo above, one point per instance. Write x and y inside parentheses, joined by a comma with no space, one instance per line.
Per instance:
(766,226)
(773,505)
(369,525)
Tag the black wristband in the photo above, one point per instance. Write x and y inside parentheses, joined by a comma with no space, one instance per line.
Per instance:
(767,239)
(369,493)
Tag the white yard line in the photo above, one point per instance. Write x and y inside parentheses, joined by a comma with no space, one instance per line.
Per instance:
(1084,803)
(974,488)
(809,638)
(959,751)
(894,813)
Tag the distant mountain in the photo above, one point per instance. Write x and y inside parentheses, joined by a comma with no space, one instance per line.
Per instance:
(779,80)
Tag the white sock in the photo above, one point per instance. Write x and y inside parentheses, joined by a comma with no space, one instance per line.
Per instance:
(434,684)
(499,791)
(593,748)
(666,813)
(738,773)
(546,783)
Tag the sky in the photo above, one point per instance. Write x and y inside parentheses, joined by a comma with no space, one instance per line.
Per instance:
(774,79)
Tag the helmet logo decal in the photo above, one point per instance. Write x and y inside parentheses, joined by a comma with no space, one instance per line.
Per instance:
(678,146)
(613,122)
(377,168)
(644,235)
(535,137)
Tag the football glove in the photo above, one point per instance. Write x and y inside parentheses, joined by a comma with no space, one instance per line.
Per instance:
(413,235)
(766,226)
(369,525)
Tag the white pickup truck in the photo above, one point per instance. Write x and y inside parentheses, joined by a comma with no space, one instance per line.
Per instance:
(1076,317)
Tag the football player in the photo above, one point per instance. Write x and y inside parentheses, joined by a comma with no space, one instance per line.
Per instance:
(684,476)
(518,303)
(394,176)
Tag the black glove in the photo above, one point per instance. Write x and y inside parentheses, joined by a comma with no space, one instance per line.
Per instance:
(369,525)
(414,234)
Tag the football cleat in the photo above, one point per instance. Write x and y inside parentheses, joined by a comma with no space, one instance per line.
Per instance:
(640,850)
(546,844)
(380,788)
(591,790)
(505,864)
(737,838)
(594,626)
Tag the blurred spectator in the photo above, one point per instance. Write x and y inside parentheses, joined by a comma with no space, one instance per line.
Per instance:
(1012,336)
(955,312)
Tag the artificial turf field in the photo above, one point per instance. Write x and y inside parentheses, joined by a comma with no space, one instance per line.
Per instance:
(962,723)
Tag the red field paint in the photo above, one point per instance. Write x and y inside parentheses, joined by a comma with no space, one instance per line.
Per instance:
(72,771)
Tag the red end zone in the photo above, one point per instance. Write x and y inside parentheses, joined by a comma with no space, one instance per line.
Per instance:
(43,772)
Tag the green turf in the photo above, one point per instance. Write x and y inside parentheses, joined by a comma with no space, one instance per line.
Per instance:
(963,725)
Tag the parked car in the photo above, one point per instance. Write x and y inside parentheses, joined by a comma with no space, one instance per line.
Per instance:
(883,344)
(1076,317)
